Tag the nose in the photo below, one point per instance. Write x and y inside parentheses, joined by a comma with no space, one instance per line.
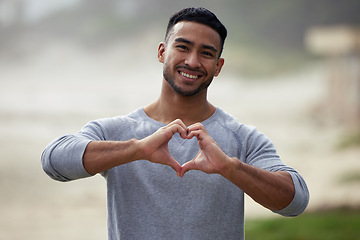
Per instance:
(192,60)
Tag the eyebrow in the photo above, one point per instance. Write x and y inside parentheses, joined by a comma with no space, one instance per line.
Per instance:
(184,40)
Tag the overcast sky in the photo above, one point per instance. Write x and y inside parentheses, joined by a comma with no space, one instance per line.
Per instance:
(34,10)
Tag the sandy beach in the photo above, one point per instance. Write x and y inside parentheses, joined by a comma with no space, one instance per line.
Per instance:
(57,90)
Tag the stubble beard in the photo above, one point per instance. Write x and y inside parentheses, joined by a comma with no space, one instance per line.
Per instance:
(171,81)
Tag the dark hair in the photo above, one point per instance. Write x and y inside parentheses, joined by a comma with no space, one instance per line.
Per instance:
(199,15)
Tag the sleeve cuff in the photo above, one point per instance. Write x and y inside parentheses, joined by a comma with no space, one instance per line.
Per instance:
(300,200)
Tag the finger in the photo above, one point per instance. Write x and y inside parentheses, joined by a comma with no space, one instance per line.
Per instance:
(169,131)
(177,126)
(171,162)
(179,129)
(195,133)
(187,166)
(178,122)
(177,168)
(195,130)
(197,126)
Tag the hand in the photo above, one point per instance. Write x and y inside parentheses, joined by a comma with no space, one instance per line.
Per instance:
(210,158)
(155,147)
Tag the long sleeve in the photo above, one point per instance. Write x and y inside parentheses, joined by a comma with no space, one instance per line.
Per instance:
(300,200)
(262,153)
(62,159)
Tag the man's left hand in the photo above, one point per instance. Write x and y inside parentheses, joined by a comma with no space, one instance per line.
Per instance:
(210,158)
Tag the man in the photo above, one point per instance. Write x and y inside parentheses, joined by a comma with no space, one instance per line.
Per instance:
(181,131)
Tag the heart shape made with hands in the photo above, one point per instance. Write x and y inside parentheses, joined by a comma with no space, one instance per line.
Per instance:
(208,159)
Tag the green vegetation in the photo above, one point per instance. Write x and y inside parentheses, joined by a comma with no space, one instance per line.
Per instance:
(329,225)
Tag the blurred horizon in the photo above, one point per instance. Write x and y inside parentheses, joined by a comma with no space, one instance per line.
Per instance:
(257,30)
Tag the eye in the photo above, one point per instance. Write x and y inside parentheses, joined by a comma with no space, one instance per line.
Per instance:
(208,54)
(181,47)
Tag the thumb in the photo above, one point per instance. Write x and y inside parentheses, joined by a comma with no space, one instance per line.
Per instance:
(175,165)
(190,165)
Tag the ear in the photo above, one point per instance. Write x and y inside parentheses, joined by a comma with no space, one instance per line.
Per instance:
(161,52)
(219,65)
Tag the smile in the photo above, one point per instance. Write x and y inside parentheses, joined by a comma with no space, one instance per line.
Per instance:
(189,75)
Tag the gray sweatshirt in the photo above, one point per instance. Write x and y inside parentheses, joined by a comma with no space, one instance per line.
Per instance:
(149,201)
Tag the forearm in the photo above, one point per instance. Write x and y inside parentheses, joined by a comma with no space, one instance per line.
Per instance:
(100,156)
(273,190)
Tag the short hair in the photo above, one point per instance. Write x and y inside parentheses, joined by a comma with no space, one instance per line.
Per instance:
(199,15)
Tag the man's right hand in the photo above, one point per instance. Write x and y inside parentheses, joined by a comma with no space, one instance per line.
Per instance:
(100,156)
(154,148)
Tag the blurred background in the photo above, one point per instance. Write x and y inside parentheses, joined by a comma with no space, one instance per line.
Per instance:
(292,69)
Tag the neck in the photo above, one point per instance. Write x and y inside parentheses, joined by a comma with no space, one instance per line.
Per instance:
(171,106)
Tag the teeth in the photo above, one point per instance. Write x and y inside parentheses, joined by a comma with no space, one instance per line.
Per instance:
(189,76)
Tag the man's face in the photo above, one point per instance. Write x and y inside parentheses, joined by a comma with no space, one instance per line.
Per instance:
(190,57)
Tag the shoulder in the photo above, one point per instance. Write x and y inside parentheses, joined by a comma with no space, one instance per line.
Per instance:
(134,125)
(110,125)
(227,125)
(230,123)
(117,121)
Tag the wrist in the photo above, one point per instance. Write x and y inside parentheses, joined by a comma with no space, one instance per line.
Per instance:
(138,149)
(232,164)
